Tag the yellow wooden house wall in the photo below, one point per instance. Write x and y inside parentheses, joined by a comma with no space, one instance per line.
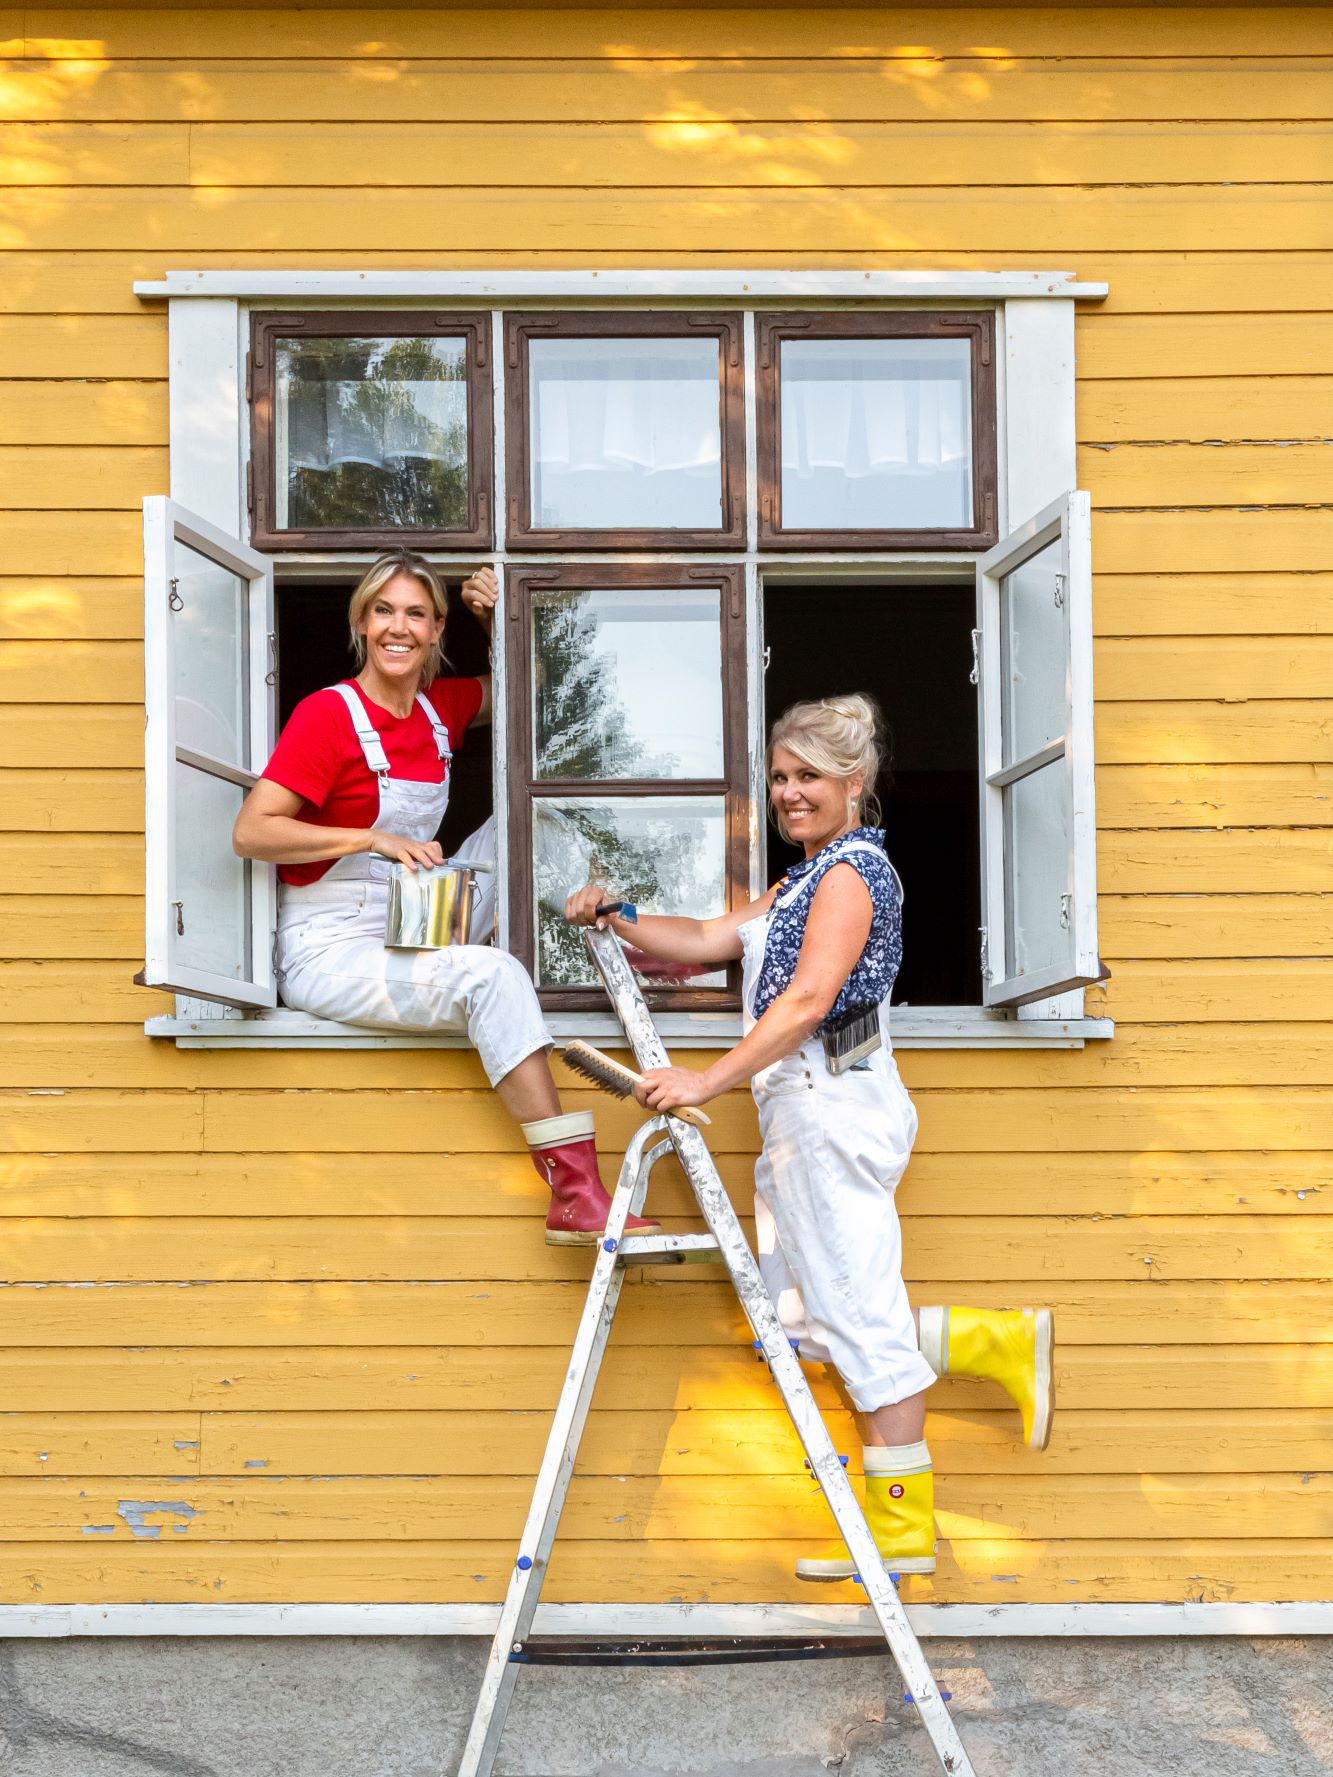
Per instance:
(257,1344)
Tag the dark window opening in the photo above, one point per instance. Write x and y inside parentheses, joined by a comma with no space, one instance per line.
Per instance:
(314,650)
(910,648)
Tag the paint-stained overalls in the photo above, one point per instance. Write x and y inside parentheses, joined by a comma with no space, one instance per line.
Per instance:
(830,1244)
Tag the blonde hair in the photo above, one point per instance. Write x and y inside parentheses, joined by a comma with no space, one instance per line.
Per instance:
(838,736)
(376,577)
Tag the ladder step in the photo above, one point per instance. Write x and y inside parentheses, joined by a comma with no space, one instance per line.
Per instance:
(634,1247)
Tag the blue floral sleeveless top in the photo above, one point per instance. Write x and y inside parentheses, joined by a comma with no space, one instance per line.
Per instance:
(871,980)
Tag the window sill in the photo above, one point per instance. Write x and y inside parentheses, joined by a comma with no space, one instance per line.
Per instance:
(914,1027)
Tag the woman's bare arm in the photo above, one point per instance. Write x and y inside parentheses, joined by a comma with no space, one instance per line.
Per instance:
(673,939)
(481,594)
(267,829)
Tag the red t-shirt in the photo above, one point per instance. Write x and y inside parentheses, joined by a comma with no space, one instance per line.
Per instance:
(319,756)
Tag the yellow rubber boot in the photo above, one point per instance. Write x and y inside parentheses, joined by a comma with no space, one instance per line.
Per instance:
(900,1510)
(1012,1346)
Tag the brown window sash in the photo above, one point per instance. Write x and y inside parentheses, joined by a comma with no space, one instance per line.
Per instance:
(521,531)
(976,325)
(261,372)
(525,788)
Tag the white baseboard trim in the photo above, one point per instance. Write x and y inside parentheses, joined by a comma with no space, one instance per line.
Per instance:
(614,1621)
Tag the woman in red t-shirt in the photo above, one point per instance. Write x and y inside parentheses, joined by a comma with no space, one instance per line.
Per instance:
(358,782)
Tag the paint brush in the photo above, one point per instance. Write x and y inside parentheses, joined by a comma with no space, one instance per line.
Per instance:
(614,1077)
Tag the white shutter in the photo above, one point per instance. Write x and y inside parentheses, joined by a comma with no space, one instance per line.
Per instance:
(1038,826)
(208,639)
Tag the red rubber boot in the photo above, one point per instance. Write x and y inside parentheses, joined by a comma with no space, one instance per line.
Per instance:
(565,1154)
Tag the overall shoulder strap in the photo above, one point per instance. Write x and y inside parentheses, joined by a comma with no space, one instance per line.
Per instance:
(371,744)
(438,728)
(839,857)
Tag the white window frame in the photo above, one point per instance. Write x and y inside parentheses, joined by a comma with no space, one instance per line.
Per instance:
(167,524)
(1068,522)
(209,316)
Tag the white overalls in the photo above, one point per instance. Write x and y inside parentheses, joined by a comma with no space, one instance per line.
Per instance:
(332,961)
(830,1247)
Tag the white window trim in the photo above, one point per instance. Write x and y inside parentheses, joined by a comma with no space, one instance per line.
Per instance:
(927,1027)
(208,320)
(725,284)
(963,1621)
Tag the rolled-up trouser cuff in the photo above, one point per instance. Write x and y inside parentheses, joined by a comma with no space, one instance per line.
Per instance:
(888,1389)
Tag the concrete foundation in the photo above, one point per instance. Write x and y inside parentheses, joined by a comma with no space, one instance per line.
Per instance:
(377,1707)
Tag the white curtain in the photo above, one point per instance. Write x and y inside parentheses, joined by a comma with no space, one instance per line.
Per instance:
(329,424)
(873,437)
(626,432)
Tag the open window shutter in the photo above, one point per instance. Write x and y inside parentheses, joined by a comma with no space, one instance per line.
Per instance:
(1038,828)
(208,633)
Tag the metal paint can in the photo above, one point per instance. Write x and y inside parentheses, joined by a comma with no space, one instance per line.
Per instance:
(430,909)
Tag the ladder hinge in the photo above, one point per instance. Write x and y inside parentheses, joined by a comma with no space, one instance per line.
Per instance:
(1066,908)
(1059,592)
(974,677)
(985,953)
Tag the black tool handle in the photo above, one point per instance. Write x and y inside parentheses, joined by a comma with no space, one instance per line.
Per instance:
(626,909)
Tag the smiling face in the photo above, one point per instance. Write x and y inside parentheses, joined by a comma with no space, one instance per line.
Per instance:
(810,807)
(401,627)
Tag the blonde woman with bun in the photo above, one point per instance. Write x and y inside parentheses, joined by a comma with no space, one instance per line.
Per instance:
(820,953)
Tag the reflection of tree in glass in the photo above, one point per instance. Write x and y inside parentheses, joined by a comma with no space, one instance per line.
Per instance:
(582,729)
(377,433)
(664,861)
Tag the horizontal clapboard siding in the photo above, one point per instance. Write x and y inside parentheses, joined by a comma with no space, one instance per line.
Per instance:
(301,1301)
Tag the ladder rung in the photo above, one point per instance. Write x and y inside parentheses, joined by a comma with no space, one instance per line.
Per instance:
(645,1246)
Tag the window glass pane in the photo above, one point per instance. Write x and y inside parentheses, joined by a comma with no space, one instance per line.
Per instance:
(1036,812)
(1035,656)
(208,647)
(666,854)
(876,434)
(626,433)
(627,683)
(371,432)
(212,883)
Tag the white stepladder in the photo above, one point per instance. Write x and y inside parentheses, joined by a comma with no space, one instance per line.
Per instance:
(651,1143)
